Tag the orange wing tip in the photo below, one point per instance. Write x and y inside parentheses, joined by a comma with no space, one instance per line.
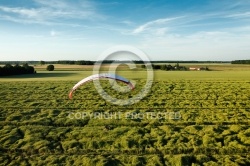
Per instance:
(131,86)
(70,94)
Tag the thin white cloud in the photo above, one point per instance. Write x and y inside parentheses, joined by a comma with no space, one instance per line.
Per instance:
(240,15)
(50,12)
(161,31)
(21,11)
(34,21)
(159,27)
(53,4)
(150,24)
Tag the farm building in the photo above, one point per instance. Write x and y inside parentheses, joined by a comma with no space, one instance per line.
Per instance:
(199,68)
(194,68)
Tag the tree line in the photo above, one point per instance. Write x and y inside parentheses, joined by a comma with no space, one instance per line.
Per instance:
(8,69)
(68,62)
(241,62)
(88,62)
(172,67)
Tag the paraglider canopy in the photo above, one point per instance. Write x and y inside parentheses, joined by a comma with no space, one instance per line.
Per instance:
(100,76)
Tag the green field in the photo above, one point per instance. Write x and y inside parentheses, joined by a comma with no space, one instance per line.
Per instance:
(204,120)
(158,75)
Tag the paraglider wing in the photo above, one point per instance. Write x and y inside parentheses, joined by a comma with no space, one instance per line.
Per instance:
(99,76)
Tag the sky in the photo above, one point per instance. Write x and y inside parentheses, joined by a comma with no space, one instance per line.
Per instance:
(163,29)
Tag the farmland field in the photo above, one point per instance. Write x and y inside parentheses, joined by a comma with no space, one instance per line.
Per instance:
(188,118)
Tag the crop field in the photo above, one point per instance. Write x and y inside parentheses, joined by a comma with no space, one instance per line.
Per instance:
(188,118)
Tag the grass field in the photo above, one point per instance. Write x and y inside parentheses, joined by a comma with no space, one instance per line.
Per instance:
(211,66)
(204,120)
(159,75)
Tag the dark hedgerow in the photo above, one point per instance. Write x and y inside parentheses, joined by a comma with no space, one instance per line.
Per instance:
(8,70)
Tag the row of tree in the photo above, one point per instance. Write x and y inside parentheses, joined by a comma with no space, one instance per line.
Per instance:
(241,62)
(68,62)
(172,68)
(8,69)
(87,62)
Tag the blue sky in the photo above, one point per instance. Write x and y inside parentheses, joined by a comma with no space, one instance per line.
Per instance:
(163,29)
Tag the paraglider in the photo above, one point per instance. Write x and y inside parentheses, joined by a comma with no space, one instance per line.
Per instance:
(100,76)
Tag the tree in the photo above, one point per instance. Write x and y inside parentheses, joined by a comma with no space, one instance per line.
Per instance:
(50,67)
(163,67)
(177,66)
(169,67)
(156,66)
(42,62)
